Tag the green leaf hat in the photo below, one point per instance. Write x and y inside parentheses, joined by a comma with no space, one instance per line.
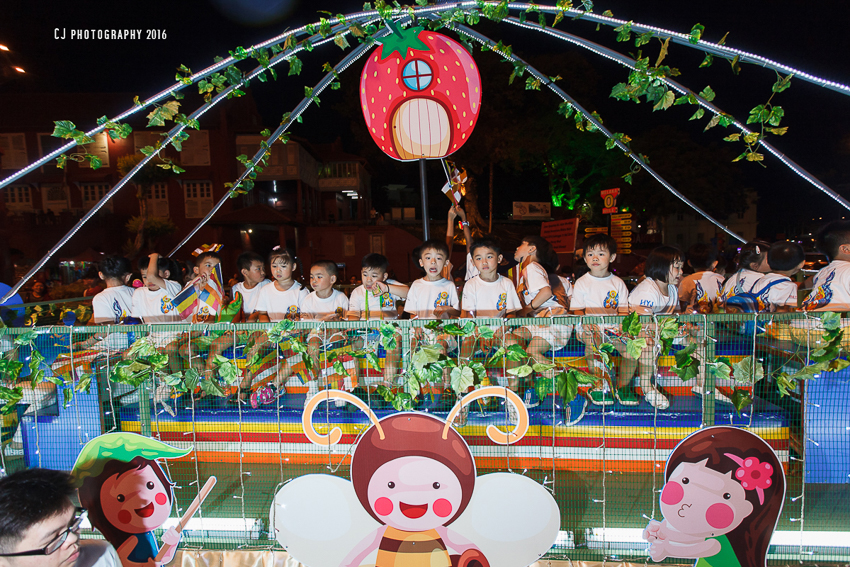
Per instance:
(122,447)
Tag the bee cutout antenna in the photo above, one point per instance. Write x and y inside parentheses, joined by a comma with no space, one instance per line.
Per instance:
(494,433)
(335,434)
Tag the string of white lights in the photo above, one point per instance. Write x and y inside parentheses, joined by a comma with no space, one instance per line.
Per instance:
(171,135)
(279,131)
(484,40)
(631,64)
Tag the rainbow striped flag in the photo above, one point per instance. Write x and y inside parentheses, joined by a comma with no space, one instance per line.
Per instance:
(212,292)
(185,302)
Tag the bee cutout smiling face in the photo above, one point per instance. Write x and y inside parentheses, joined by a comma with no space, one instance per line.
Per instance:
(414,498)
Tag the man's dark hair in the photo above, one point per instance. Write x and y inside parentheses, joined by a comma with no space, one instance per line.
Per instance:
(433,244)
(601,240)
(485,243)
(659,262)
(245,260)
(115,267)
(832,237)
(701,256)
(785,255)
(330,267)
(204,255)
(28,497)
(376,262)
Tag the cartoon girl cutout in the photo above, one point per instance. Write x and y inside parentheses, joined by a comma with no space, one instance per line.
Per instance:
(414,474)
(128,495)
(722,498)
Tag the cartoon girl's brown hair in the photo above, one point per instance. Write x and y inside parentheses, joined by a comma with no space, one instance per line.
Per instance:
(89,494)
(723,449)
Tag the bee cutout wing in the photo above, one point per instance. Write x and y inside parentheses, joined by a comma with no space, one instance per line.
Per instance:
(512,519)
(319,520)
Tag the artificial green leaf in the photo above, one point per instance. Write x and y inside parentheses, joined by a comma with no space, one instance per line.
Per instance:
(516,353)
(567,386)
(84,383)
(520,371)
(721,367)
(486,332)
(67,396)
(624,32)
(425,355)
(735,63)
(755,156)
(341,41)
(191,378)
(665,102)
(830,320)
(25,339)
(227,369)
(775,117)
(709,59)
(747,370)
(782,83)
(631,324)
(635,346)
(732,137)
(696,33)
(462,378)
(541,367)
(294,65)
(211,387)
(500,352)
(708,94)
(741,399)
(374,361)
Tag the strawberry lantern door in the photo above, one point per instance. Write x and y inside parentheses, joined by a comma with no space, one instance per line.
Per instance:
(420,92)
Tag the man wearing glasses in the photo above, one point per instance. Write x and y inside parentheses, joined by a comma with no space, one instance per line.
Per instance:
(39,525)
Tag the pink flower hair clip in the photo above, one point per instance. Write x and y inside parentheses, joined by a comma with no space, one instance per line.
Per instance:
(753,474)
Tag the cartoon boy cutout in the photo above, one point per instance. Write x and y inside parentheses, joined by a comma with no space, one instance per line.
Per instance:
(128,495)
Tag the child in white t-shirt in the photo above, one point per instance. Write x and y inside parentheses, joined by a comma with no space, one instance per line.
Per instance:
(542,294)
(324,303)
(752,265)
(252,267)
(656,295)
(601,293)
(776,291)
(276,301)
(434,297)
(112,305)
(700,292)
(378,298)
(488,295)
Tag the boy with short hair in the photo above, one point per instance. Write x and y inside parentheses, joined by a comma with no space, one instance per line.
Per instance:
(324,303)
(378,298)
(252,267)
(190,344)
(112,305)
(699,292)
(434,297)
(601,293)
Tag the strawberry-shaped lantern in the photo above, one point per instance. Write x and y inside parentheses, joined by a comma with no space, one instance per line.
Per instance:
(421,94)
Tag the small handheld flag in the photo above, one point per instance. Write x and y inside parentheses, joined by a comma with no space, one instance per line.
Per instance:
(185,302)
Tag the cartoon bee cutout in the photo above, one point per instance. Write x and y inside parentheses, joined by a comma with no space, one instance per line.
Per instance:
(414,498)
(612,300)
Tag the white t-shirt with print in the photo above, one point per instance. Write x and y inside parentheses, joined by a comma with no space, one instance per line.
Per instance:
(250,297)
(425,296)
(599,296)
(112,305)
(783,294)
(535,278)
(314,307)
(280,305)
(202,309)
(741,281)
(646,299)
(380,307)
(831,288)
(700,289)
(490,299)
(154,307)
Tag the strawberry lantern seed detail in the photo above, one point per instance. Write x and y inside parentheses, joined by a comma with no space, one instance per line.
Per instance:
(420,92)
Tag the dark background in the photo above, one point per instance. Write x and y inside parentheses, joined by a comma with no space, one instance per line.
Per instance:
(811,37)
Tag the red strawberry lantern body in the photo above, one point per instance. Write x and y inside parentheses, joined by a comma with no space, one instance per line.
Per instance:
(421,94)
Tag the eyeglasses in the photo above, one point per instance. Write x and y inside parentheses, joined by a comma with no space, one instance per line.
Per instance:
(80,514)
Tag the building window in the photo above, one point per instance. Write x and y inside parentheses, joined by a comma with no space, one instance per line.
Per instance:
(158,200)
(99,148)
(198,198)
(54,197)
(740,216)
(94,192)
(18,198)
(196,150)
(14,150)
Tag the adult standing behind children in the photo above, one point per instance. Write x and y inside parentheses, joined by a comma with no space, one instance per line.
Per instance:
(39,526)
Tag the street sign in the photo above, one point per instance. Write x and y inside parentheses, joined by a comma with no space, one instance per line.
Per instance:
(609,198)
(561,235)
(621,216)
(595,229)
(610,210)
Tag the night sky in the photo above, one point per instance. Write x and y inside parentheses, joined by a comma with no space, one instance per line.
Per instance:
(813,40)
